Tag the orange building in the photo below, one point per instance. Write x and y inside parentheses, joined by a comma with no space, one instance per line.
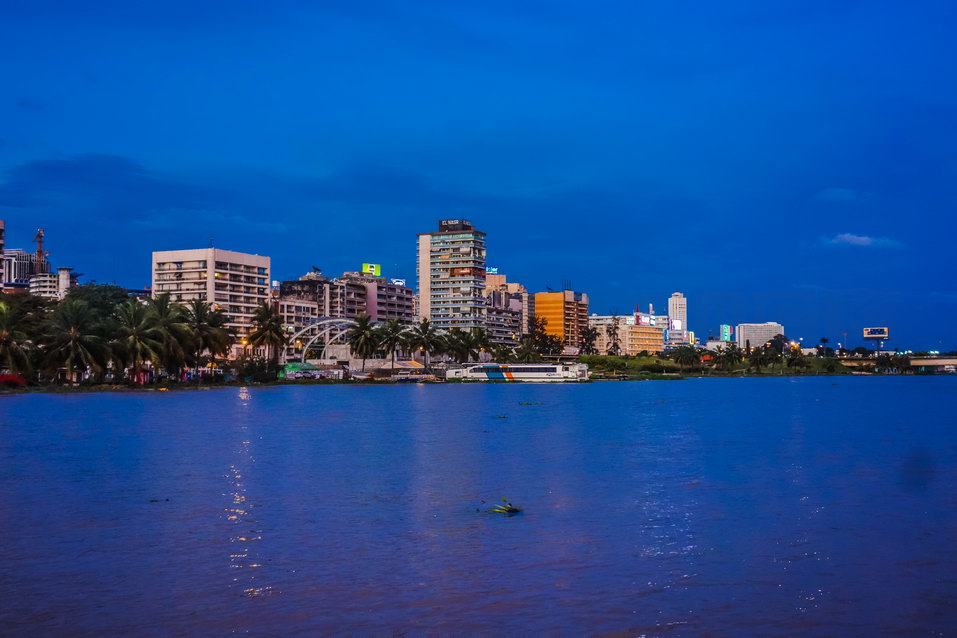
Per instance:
(566,314)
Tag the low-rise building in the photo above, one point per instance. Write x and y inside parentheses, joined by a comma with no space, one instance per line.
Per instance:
(52,285)
(633,337)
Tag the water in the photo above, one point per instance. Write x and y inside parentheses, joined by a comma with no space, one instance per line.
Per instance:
(721,507)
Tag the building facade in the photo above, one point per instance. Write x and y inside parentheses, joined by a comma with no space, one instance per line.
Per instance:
(451,275)
(633,337)
(757,334)
(514,295)
(565,313)
(52,285)
(230,281)
(353,294)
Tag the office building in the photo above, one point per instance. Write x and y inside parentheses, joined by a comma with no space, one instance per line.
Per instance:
(565,313)
(230,281)
(451,275)
(503,318)
(514,296)
(633,335)
(757,334)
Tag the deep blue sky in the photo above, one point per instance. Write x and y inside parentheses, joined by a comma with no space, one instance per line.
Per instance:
(786,161)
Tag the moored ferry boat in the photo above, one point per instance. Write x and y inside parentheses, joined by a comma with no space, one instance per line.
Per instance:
(530,372)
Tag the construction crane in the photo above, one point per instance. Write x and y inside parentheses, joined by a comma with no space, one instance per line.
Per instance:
(41,256)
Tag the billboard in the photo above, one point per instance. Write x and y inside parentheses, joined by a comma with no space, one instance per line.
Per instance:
(372,269)
(397,282)
(490,270)
(676,324)
(877,334)
(645,320)
(725,332)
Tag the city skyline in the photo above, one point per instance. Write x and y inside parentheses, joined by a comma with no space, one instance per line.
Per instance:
(771,163)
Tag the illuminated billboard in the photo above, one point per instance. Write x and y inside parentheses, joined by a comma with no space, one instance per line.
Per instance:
(491,270)
(397,282)
(372,269)
(725,332)
(877,334)
(676,324)
(645,320)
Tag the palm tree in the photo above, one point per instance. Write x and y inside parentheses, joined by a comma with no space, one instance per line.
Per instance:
(363,338)
(207,330)
(727,358)
(686,356)
(72,341)
(170,320)
(268,331)
(527,351)
(502,353)
(425,337)
(391,335)
(480,341)
(756,359)
(13,353)
(137,337)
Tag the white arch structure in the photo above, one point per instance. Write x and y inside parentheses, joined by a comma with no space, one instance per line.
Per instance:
(325,326)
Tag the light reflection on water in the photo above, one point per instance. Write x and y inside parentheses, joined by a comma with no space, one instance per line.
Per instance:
(243,526)
(723,507)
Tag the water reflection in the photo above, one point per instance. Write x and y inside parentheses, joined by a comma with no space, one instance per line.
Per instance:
(244,560)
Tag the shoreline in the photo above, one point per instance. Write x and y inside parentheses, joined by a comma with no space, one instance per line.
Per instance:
(120,389)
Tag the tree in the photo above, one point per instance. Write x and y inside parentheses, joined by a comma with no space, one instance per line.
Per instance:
(728,357)
(72,341)
(779,343)
(137,339)
(686,356)
(480,341)
(13,342)
(502,353)
(391,336)
(170,320)
(425,337)
(587,338)
(614,339)
(544,343)
(268,331)
(459,345)
(756,359)
(101,298)
(363,339)
(527,351)
(207,330)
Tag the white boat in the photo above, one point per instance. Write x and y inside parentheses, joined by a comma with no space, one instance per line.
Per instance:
(533,372)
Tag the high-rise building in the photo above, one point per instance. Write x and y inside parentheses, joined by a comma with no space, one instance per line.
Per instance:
(757,334)
(514,295)
(451,275)
(565,314)
(678,312)
(230,281)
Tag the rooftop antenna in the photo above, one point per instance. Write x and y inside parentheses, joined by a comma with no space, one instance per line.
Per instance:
(211,241)
(566,284)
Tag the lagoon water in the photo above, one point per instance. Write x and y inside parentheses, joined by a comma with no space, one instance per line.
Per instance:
(721,507)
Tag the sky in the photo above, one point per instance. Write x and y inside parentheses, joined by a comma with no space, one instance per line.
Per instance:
(774,161)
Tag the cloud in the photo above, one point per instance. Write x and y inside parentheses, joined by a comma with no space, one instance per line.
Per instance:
(113,186)
(863,241)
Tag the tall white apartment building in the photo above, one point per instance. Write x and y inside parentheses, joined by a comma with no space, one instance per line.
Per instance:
(678,311)
(757,334)
(232,282)
(451,274)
